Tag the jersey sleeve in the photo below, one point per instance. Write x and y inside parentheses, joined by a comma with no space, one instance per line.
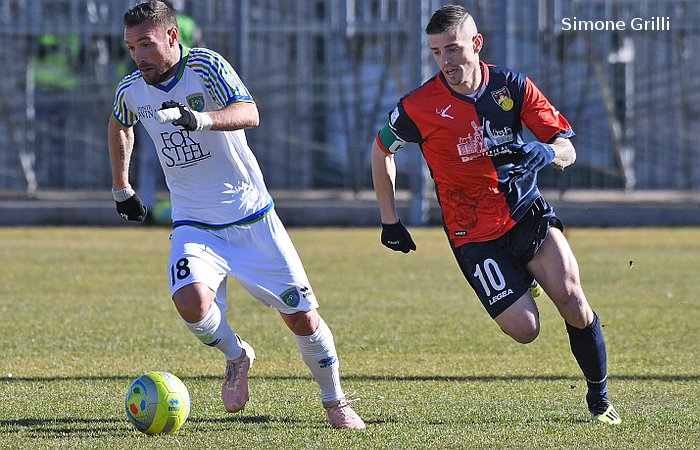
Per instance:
(120,109)
(540,117)
(222,82)
(398,131)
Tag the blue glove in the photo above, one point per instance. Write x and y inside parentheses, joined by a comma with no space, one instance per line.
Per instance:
(537,155)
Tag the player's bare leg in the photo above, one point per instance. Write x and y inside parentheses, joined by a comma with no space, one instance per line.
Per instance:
(315,342)
(192,301)
(555,268)
(521,320)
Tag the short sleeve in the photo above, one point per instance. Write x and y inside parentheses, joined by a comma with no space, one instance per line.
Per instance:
(540,117)
(120,109)
(223,83)
(398,131)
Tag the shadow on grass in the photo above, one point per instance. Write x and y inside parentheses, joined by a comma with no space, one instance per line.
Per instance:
(237,419)
(451,378)
(97,427)
(478,421)
(102,427)
(73,426)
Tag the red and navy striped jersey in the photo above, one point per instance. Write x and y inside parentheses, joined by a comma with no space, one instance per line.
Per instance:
(470,145)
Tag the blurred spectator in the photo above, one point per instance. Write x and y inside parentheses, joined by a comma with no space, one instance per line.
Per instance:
(53,72)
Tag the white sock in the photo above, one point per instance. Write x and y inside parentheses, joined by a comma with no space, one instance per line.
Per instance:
(214,331)
(318,352)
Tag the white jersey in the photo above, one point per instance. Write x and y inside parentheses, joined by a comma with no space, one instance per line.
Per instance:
(213,176)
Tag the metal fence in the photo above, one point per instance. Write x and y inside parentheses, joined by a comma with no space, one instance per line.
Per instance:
(326,73)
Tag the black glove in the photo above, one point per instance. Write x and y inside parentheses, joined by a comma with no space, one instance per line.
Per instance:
(132,209)
(396,237)
(187,119)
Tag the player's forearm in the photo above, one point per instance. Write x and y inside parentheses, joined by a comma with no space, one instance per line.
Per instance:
(384,178)
(121,144)
(235,116)
(564,153)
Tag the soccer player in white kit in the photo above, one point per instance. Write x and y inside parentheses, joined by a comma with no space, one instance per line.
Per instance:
(195,108)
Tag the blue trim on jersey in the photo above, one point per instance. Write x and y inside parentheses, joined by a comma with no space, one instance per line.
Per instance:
(221,79)
(213,87)
(167,87)
(119,107)
(213,75)
(178,73)
(255,217)
(130,78)
(563,134)
(125,125)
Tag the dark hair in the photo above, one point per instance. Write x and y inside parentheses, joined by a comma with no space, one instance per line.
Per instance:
(446,19)
(156,11)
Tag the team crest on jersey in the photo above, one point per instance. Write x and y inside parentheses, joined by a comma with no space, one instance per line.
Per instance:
(291,297)
(502,98)
(196,101)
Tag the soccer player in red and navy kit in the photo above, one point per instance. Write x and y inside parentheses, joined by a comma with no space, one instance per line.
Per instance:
(468,120)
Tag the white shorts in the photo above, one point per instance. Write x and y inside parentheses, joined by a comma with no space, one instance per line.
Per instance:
(260,256)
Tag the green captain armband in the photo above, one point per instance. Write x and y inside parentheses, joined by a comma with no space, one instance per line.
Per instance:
(389,140)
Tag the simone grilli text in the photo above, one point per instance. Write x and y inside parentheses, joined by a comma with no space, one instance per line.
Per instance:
(636,24)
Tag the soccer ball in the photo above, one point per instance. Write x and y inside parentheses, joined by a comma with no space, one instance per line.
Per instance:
(161,213)
(157,403)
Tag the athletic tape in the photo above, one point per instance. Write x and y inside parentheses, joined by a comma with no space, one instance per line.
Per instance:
(168,115)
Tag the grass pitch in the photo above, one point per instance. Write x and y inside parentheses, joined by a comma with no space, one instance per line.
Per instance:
(85,311)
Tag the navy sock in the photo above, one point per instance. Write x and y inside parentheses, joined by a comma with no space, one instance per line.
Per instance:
(588,347)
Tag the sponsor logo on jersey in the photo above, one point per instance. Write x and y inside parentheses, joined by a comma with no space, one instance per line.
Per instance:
(291,297)
(144,112)
(502,98)
(196,101)
(180,150)
(472,146)
(327,362)
(495,138)
(500,296)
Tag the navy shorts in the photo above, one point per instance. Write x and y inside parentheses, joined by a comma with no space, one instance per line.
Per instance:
(496,269)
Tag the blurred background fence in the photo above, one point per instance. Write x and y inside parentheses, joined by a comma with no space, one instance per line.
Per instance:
(325,75)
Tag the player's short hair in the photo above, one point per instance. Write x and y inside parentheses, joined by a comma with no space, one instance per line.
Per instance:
(447,18)
(156,11)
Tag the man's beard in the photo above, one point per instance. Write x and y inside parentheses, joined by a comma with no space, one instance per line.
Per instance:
(163,74)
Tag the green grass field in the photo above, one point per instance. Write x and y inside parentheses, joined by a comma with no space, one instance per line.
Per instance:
(85,311)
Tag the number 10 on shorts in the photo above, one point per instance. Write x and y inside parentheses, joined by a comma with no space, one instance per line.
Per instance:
(490,276)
